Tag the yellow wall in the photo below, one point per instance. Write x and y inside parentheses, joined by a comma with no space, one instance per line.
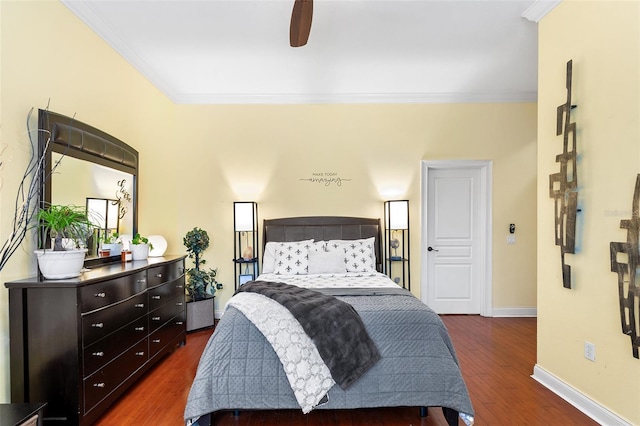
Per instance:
(261,153)
(603,39)
(196,160)
(49,54)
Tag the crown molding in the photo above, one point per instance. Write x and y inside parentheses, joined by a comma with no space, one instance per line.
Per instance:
(539,9)
(87,13)
(356,98)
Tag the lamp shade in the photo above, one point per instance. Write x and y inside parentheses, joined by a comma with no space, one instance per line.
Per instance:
(244,216)
(398,214)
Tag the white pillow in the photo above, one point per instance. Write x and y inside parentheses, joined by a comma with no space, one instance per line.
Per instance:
(322,262)
(269,258)
(320,246)
(292,258)
(359,255)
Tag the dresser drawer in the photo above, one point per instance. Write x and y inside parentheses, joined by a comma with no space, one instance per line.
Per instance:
(163,273)
(161,294)
(104,350)
(164,313)
(102,294)
(165,334)
(101,323)
(104,381)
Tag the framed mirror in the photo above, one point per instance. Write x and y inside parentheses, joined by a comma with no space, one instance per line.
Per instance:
(83,164)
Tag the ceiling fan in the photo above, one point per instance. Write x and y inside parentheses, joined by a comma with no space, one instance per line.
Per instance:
(300,22)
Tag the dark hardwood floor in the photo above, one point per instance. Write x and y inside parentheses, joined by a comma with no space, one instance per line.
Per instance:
(496,355)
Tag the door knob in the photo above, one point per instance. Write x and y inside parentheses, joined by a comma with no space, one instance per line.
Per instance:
(431,249)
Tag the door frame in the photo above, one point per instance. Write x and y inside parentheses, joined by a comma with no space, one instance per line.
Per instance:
(486,173)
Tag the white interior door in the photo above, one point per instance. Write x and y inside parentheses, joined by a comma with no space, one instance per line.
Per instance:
(455,243)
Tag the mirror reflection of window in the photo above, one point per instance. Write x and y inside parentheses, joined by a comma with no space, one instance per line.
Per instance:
(103,213)
(76,181)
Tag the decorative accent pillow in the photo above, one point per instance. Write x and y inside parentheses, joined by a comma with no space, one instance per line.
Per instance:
(269,258)
(320,245)
(292,258)
(359,255)
(322,262)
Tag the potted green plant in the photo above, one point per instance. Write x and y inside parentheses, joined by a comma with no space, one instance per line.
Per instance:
(68,227)
(140,247)
(200,282)
(112,243)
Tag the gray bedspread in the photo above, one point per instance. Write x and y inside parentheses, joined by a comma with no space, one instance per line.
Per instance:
(334,326)
(418,366)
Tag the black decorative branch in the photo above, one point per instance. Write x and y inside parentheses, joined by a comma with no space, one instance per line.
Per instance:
(563,186)
(27,196)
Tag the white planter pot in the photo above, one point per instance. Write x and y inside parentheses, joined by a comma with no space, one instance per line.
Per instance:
(139,251)
(56,265)
(114,249)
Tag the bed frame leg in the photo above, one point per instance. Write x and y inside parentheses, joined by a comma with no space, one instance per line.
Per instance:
(424,412)
(203,420)
(451,416)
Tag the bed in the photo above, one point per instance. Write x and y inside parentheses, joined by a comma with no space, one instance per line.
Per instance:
(401,355)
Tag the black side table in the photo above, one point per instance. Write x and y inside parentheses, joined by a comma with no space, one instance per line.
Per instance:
(19,414)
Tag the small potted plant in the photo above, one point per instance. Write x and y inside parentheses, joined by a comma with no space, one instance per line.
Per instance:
(112,243)
(68,227)
(201,283)
(140,247)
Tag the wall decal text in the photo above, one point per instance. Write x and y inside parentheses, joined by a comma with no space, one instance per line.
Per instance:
(326,179)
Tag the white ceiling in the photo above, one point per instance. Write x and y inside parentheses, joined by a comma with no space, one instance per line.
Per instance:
(237,51)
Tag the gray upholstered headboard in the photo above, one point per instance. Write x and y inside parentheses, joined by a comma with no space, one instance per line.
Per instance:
(324,228)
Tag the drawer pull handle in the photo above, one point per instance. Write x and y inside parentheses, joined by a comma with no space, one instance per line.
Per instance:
(159,275)
(139,305)
(178,303)
(101,294)
(98,354)
(98,325)
(179,322)
(141,281)
(139,353)
(155,297)
(179,286)
(139,328)
(98,385)
(156,340)
(155,318)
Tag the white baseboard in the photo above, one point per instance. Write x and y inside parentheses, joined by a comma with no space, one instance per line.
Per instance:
(514,312)
(588,406)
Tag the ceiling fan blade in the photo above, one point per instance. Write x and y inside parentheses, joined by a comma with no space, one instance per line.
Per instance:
(300,22)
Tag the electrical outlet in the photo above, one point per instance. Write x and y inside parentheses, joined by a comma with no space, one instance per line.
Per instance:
(590,351)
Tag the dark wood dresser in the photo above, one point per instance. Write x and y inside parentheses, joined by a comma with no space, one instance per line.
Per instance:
(78,344)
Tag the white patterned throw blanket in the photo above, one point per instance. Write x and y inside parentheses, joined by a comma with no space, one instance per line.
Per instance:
(323,327)
(309,377)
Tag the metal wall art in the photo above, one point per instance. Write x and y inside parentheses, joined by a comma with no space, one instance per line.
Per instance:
(563,186)
(628,273)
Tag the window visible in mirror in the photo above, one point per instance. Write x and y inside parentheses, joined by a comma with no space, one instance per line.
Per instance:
(75,181)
